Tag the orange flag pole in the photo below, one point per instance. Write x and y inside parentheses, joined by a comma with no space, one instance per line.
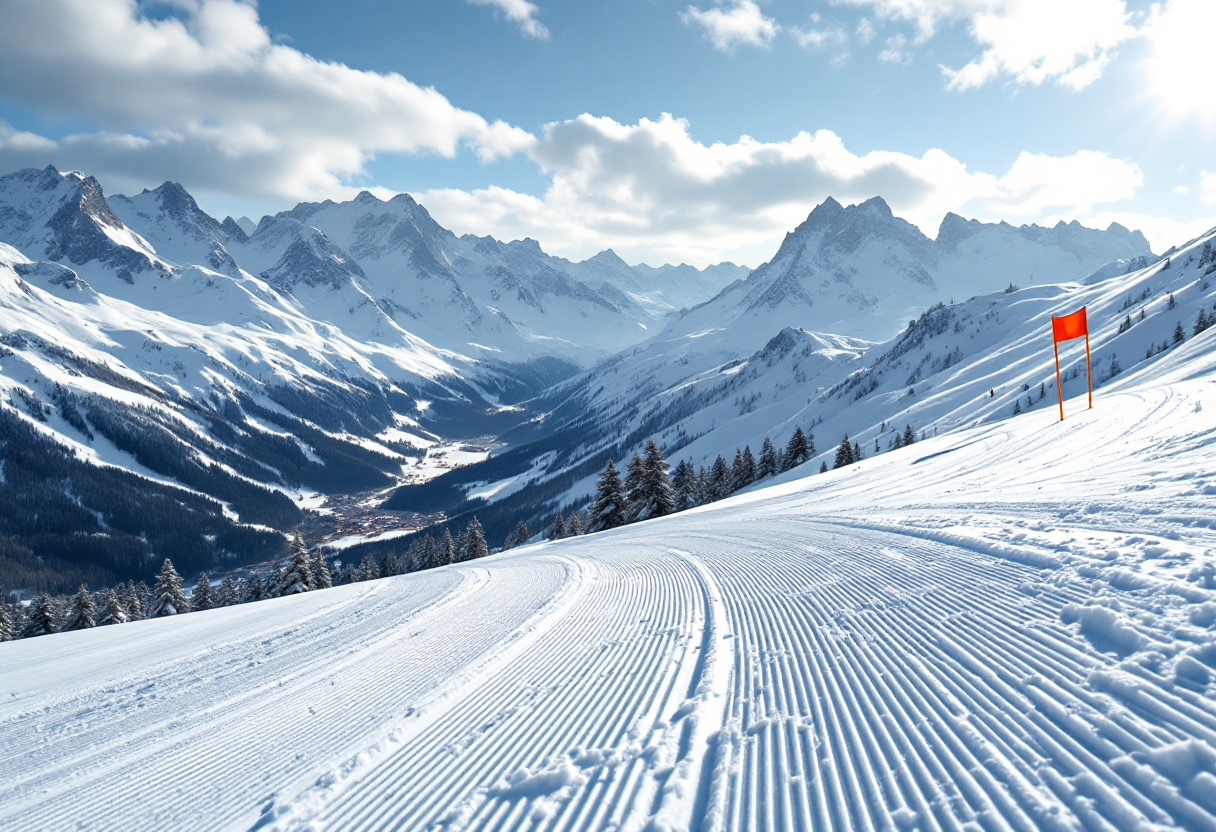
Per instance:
(1059,387)
(1089,371)
(1065,328)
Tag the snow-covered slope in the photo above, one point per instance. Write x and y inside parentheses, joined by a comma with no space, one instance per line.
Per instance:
(699,397)
(236,363)
(1009,627)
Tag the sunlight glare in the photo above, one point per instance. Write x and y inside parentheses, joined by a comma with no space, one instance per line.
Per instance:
(1180,60)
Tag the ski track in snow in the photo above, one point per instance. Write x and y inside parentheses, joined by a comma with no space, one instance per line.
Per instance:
(1008,628)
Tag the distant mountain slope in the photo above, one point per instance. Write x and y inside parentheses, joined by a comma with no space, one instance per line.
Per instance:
(699,398)
(660,290)
(202,376)
(862,271)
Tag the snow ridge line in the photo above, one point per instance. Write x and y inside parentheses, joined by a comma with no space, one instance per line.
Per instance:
(313,801)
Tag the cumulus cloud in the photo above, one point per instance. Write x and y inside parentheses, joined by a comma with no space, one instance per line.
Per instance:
(654,193)
(208,98)
(521,12)
(740,23)
(1030,41)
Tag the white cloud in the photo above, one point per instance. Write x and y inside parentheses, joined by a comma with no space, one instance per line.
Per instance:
(741,23)
(1179,65)
(895,51)
(1031,41)
(865,30)
(820,35)
(1207,187)
(654,193)
(207,98)
(17,141)
(521,12)
(1182,190)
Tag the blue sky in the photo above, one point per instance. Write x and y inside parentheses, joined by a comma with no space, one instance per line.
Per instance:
(593,124)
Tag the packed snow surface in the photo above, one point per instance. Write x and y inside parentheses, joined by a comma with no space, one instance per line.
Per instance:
(1010,627)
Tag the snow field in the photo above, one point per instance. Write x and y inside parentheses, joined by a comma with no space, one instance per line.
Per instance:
(1011,627)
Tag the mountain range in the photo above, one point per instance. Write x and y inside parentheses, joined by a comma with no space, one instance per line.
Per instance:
(218,374)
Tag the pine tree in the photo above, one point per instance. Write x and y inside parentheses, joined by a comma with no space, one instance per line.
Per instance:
(6,621)
(704,488)
(520,536)
(719,484)
(1202,322)
(202,597)
(823,467)
(147,598)
(684,481)
(1042,391)
(657,498)
(298,577)
(797,450)
(909,435)
(272,584)
(40,620)
(609,506)
(170,598)
(83,614)
(321,579)
(634,496)
(111,609)
(749,465)
(857,455)
(392,566)
(557,529)
(476,547)
(737,480)
(369,567)
(447,549)
(1179,333)
(1017,407)
(1171,303)
(254,591)
(574,527)
(768,460)
(844,454)
(130,602)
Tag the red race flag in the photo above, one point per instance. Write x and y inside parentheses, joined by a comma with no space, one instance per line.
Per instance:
(1065,328)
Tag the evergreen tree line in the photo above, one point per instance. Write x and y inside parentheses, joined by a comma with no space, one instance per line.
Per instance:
(304,571)
(649,491)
